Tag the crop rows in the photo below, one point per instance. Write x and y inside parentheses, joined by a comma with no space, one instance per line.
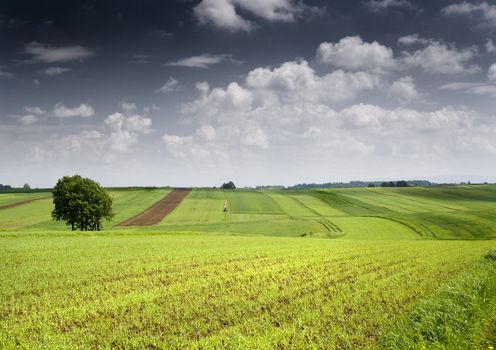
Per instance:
(207,292)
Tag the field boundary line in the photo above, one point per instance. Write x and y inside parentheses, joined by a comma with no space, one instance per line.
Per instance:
(351,201)
(158,211)
(306,206)
(396,195)
(275,202)
(23,202)
(410,226)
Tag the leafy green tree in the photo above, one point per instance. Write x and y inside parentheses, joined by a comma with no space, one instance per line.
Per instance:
(82,203)
(402,183)
(229,186)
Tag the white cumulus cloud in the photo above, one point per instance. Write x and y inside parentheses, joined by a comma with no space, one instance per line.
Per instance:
(49,54)
(207,132)
(404,88)
(471,88)
(222,14)
(201,61)
(124,130)
(439,57)
(225,13)
(490,46)
(380,5)
(293,81)
(491,72)
(129,107)
(168,86)
(354,54)
(413,39)
(83,111)
(483,11)
(34,110)
(28,119)
(366,115)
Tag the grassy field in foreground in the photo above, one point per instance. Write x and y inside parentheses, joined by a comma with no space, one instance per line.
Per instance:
(460,314)
(214,291)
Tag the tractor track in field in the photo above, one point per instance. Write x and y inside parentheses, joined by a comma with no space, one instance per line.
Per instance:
(23,202)
(154,214)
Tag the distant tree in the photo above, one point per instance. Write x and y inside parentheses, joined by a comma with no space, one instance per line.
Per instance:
(26,186)
(401,184)
(82,203)
(371,185)
(387,184)
(228,186)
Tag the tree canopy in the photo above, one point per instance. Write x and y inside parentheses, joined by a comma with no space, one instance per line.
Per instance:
(229,186)
(82,203)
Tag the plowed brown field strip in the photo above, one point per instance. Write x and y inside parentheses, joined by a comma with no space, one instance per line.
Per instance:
(18,204)
(154,214)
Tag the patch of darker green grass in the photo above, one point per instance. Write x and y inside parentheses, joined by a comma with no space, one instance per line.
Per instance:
(461,314)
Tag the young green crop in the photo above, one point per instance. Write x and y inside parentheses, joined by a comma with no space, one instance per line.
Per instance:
(247,201)
(460,314)
(199,291)
(290,206)
(193,210)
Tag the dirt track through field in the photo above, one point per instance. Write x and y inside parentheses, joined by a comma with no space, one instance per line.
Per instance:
(154,214)
(18,204)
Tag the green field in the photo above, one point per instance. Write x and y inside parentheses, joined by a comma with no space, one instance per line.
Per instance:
(437,212)
(11,198)
(352,268)
(36,215)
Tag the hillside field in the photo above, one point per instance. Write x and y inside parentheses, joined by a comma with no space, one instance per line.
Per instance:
(319,268)
(462,212)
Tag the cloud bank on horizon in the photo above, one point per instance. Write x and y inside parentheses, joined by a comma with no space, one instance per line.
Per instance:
(260,92)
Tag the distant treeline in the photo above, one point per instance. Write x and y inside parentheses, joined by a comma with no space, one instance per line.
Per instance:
(23,190)
(400,183)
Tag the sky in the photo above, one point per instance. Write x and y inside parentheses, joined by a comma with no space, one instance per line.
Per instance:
(197,93)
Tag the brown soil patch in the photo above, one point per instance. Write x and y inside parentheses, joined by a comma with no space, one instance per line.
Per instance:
(18,204)
(154,214)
